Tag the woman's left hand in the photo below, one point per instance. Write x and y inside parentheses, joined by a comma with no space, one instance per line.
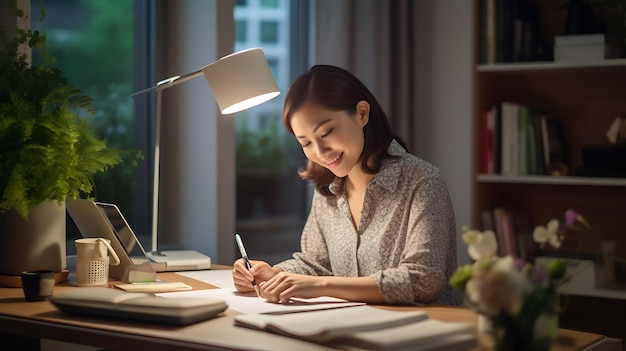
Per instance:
(283,286)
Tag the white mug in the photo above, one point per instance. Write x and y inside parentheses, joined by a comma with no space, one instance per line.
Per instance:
(94,248)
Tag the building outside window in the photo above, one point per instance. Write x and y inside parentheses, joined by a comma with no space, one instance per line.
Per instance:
(271,199)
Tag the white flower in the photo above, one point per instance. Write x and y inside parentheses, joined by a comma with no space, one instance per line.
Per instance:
(480,245)
(497,285)
(549,234)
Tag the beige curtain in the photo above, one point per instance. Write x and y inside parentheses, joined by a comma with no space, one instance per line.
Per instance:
(376,41)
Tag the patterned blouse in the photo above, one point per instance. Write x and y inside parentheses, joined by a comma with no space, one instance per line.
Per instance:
(406,239)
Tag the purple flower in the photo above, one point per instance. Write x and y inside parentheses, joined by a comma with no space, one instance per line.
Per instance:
(571,217)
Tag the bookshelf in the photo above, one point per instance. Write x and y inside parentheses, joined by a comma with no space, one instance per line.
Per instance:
(586,97)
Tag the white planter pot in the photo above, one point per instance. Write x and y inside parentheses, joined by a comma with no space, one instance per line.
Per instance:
(33,244)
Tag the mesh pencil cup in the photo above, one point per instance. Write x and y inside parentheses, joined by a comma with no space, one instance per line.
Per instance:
(92,271)
(93,256)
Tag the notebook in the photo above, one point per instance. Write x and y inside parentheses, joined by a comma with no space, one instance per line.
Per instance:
(368,328)
(118,304)
(98,219)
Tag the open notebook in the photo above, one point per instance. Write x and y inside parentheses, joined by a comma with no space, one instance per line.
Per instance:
(368,328)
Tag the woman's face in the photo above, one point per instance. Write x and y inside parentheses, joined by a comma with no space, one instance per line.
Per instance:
(332,139)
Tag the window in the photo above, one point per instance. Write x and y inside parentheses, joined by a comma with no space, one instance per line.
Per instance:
(94,47)
(270,3)
(272,200)
(241,31)
(269,32)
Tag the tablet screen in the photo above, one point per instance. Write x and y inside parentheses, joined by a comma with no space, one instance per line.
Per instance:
(122,230)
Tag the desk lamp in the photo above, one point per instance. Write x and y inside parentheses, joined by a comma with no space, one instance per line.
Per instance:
(238,81)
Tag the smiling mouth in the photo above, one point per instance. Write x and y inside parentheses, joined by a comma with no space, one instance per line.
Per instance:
(335,161)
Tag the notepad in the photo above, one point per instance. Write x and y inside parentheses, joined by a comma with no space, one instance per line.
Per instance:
(367,327)
(156,287)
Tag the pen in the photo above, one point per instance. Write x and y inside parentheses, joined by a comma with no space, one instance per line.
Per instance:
(242,249)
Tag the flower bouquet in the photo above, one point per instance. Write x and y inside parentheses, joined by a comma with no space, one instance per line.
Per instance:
(520,300)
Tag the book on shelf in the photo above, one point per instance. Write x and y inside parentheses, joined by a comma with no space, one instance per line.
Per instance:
(509,153)
(523,116)
(488,221)
(530,42)
(553,142)
(521,140)
(523,228)
(487,126)
(367,327)
(513,229)
(488,31)
(536,145)
(530,146)
(509,31)
(497,139)
(505,234)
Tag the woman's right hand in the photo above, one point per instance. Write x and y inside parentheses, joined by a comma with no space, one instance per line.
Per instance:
(242,277)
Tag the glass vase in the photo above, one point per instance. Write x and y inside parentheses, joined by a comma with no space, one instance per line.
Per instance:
(533,328)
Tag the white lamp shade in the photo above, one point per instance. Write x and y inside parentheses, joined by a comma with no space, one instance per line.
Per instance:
(241,80)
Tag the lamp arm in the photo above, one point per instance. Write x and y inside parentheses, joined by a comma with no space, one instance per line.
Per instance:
(170,82)
(159,87)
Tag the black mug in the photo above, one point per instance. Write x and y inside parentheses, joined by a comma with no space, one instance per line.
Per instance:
(37,285)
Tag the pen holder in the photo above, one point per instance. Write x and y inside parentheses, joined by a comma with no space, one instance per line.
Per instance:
(92,271)
(92,261)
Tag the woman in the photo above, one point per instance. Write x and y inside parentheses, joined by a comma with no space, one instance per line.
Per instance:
(381,227)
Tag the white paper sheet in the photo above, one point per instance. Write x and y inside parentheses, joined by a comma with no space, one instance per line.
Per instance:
(222,278)
(252,304)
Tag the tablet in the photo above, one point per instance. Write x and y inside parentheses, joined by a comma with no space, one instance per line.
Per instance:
(162,261)
(92,222)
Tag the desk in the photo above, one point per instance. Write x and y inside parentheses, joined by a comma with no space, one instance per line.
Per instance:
(43,320)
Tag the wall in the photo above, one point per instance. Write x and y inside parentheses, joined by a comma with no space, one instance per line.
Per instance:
(445,99)
(197,205)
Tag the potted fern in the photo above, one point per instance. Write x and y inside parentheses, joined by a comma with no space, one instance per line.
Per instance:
(48,153)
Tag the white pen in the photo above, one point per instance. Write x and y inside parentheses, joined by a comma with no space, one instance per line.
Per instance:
(242,250)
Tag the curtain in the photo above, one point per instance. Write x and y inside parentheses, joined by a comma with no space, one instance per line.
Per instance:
(376,41)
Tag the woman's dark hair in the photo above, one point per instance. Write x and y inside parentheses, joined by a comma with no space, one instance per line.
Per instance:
(336,89)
